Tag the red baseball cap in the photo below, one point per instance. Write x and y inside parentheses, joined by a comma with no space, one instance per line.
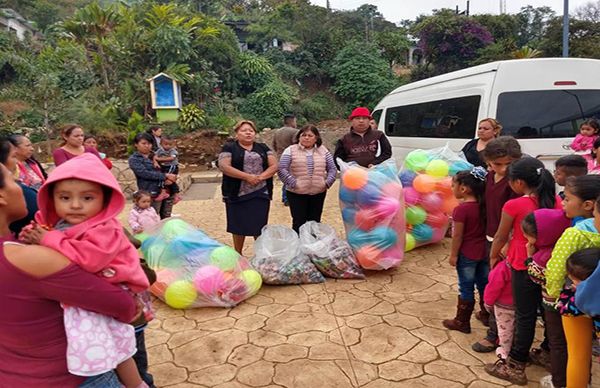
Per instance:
(360,112)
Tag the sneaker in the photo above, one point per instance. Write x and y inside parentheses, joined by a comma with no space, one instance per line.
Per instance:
(541,357)
(176,199)
(162,196)
(509,370)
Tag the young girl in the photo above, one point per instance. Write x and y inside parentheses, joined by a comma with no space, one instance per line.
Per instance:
(142,216)
(577,329)
(593,158)
(588,133)
(528,178)
(499,301)
(468,252)
(79,203)
(91,142)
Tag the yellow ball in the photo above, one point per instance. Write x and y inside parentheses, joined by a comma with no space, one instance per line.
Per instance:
(180,294)
(252,279)
(437,168)
(410,243)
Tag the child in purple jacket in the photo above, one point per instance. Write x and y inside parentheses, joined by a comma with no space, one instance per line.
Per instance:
(142,216)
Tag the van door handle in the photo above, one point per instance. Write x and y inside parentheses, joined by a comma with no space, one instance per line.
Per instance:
(566,146)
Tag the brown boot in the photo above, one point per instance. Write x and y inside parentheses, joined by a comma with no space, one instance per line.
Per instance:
(483,314)
(509,370)
(462,322)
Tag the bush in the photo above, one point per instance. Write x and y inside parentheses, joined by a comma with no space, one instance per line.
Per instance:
(267,105)
(191,118)
(320,107)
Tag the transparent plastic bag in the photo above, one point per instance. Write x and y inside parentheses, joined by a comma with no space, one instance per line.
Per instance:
(330,254)
(193,270)
(373,213)
(277,257)
(426,177)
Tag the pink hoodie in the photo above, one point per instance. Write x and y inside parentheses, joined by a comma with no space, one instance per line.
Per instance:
(498,290)
(98,243)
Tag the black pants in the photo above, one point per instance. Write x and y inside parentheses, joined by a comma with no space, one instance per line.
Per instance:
(558,347)
(164,207)
(174,187)
(527,298)
(305,207)
(141,358)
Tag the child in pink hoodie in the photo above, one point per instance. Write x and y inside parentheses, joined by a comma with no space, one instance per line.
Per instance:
(78,206)
(499,301)
(142,216)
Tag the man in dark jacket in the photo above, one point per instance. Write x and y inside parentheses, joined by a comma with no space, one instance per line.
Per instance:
(363,145)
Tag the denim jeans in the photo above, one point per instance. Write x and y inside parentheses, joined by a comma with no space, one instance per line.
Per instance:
(283,194)
(471,274)
(527,298)
(105,380)
(141,358)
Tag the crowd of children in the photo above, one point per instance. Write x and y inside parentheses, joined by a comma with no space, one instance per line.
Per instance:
(530,251)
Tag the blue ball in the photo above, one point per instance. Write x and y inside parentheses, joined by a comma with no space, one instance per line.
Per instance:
(380,178)
(407,177)
(459,165)
(348,215)
(357,238)
(383,237)
(368,195)
(347,195)
(422,232)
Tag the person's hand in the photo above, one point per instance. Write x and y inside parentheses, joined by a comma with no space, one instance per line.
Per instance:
(33,235)
(171,177)
(530,249)
(155,164)
(253,180)
(138,230)
(452,260)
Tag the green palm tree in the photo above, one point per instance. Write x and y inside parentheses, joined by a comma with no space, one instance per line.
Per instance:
(526,52)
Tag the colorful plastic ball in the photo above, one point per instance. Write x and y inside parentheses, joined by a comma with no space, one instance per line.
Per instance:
(368,195)
(422,232)
(449,204)
(252,279)
(209,279)
(357,238)
(355,178)
(424,183)
(415,215)
(431,202)
(459,165)
(407,177)
(158,256)
(387,207)
(164,277)
(368,256)
(224,257)
(180,294)
(382,237)
(141,237)
(348,215)
(180,248)
(365,219)
(346,195)
(391,257)
(410,243)
(379,178)
(411,196)
(437,219)
(392,190)
(437,168)
(175,227)
(444,186)
(416,160)
(438,234)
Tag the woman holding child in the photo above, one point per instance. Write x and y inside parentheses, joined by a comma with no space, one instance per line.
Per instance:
(248,168)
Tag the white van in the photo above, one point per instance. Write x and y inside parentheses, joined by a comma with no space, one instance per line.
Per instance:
(541,102)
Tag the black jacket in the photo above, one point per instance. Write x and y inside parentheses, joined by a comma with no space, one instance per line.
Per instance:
(231,186)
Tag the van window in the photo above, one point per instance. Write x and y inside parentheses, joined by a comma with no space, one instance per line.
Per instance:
(377,115)
(454,117)
(546,113)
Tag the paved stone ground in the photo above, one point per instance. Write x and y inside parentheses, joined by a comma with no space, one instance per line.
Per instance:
(381,332)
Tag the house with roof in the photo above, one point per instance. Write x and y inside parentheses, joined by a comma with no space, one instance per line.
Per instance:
(13,22)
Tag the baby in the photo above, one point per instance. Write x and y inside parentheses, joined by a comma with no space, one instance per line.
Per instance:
(166,159)
(142,216)
(78,206)
(588,133)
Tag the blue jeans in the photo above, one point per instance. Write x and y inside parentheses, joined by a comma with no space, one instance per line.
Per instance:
(105,380)
(283,194)
(471,274)
(141,358)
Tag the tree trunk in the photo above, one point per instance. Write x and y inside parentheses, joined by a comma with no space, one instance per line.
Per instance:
(103,64)
(47,128)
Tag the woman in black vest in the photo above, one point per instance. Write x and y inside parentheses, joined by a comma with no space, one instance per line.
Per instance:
(248,168)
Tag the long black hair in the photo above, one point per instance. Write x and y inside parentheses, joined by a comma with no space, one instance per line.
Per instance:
(476,183)
(583,263)
(537,178)
(584,187)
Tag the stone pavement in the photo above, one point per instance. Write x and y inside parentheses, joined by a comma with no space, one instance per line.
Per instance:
(381,332)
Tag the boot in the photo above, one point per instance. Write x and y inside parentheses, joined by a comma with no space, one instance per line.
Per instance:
(462,322)
(483,314)
(509,370)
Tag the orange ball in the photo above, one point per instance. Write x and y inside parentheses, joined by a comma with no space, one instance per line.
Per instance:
(355,178)
(424,183)
(367,257)
(444,186)
(449,204)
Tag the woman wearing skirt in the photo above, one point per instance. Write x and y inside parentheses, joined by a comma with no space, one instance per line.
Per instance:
(248,168)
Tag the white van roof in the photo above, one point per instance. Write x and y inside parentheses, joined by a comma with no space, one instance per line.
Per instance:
(512,64)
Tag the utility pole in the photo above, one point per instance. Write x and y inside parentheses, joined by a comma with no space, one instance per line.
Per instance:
(328,6)
(565,42)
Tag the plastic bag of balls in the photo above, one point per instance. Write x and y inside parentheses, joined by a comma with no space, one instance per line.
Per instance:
(373,213)
(426,177)
(277,257)
(329,253)
(194,270)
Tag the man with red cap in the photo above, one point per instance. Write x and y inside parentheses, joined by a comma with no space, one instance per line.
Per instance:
(363,145)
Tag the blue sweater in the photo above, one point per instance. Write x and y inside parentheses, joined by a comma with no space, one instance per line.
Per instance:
(148,178)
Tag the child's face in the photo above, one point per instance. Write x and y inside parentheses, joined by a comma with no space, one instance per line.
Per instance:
(500,165)
(91,142)
(144,202)
(166,144)
(458,190)
(560,175)
(530,239)
(77,200)
(587,130)
(596,218)
(518,186)
(575,206)
(574,280)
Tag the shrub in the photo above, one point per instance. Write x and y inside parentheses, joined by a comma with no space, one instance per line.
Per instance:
(267,105)
(320,107)
(191,118)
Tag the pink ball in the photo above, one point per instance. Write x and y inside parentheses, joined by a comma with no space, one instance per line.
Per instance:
(411,196)
(438,235)
(209,279)
(387,207)
(365,219)
(431,202)
(392,190)
(436,220)
(393,256)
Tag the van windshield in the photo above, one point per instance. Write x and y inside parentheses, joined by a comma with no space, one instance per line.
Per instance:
(546,113)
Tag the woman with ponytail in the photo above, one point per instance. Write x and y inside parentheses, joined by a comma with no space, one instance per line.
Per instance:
(527,177)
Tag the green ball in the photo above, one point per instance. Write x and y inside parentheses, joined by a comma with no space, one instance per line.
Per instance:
(141,236)
(180,294)
(226,258)
(252,279)
(437,168)
(410,243)
(175,227)
(415,215)
(417,160)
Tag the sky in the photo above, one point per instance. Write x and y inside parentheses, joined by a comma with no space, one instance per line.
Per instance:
(397,10)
